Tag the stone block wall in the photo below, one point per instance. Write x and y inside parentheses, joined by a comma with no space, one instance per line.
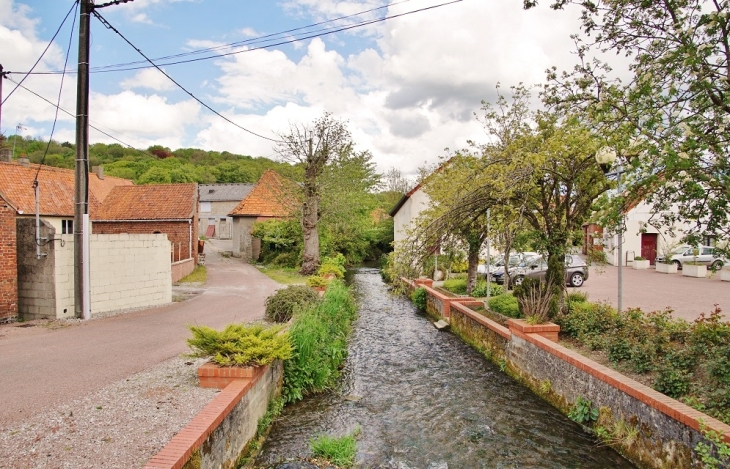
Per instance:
(8,264)
(184,243)
(36,277)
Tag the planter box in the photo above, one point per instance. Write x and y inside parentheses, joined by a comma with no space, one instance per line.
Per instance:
(699,271)
(642,264)
(666,268)
(725,275)
(215,376)
(548,330)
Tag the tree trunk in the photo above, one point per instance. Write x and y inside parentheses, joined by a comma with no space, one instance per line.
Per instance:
(310,256)
(471,272)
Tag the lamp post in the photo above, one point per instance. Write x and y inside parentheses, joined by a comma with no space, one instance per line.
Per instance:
(607,156)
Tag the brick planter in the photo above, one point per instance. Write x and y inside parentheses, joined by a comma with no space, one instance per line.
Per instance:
(548,330)
(215,376)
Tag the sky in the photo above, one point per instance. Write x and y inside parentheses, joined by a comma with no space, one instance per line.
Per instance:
(408,87)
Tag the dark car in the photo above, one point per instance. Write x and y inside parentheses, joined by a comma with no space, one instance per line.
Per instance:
(576,271)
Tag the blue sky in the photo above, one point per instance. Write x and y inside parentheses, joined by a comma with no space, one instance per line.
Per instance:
(408,87)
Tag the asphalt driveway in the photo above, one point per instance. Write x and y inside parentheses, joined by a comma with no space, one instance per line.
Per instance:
(651,291)
(43,366)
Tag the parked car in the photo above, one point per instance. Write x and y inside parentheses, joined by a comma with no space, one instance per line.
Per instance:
(705,255)
(497,275)
(576,271)
(498,265)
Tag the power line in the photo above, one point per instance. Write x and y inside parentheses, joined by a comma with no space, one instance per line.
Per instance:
(74,115)
(60,90)
(110,68)
(44,52)
(108,25)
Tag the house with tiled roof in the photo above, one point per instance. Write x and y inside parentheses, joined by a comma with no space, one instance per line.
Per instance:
(55,190)
(216,202)
(170,209)
(273,197)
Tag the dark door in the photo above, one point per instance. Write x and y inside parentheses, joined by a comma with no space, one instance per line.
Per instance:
(648,246)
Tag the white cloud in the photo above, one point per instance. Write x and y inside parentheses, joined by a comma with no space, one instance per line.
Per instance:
(249,32)
(149,78)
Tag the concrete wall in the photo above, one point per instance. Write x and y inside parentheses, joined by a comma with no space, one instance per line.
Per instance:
(36,277)
(218,435)
(241,240)
(416,203)
(8,264)
(182,234)
(668,430)
(127,271)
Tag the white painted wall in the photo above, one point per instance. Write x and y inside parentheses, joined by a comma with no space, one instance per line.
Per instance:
(416,203)
(637,220)
(127,271)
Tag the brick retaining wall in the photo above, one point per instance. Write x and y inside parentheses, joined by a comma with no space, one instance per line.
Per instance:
(668,430)
(8,265)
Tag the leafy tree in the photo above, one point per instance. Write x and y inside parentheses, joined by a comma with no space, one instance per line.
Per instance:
(313,146)
(669,121)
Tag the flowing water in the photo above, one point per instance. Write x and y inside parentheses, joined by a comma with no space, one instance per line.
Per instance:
(424,399)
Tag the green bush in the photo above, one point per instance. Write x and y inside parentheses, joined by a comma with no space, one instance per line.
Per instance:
(316,281)
(419,297)
(576,297)
(336,270)
(319,338)
(455,285)
(338,260)
(240,344)
(280,306)
(505,304)
(480,290)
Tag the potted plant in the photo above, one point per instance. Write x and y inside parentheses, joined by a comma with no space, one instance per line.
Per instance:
(664,263)
(694,268)
(317,283)
(640,263)
(725,274)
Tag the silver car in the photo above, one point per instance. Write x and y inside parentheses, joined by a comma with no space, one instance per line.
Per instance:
(705,255)
(576,270)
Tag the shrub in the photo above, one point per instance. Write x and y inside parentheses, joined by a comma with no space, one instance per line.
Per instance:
(583,412)
(337,260)
(319,338)
(576,297)
(419,298)
(455,285)
(240,344)
(534,299)
(327,269)
(480,290)
(316,281)
(281,305)
(505,304)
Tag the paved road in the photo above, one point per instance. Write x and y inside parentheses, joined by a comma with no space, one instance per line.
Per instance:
(42,367)
(651,291)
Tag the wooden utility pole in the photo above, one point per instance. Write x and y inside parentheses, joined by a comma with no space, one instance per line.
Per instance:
(2,75)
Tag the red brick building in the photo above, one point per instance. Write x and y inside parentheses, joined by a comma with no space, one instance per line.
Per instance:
(8,262)
(171,209)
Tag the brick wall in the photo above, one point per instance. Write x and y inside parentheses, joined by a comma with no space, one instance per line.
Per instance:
(8,265)
(178,232)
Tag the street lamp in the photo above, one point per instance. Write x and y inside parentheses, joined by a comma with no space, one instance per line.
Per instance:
(607,156)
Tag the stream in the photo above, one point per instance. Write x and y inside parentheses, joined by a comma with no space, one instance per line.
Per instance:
(424,399)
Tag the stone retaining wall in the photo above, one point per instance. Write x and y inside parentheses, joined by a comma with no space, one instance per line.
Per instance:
(667,430)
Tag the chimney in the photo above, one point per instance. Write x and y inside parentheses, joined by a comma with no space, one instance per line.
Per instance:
(99,171)
(6,155)
(24,161)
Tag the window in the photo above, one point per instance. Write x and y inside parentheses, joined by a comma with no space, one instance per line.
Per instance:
(67,226)
(205,206)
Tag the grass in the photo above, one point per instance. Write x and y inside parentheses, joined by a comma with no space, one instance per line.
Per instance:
(338,451)
(198,275)
(283,275)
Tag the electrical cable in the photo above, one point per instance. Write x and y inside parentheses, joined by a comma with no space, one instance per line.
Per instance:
(60,90)
(254,40)
(93,127)
(108,25)
(267,46)
(73,6)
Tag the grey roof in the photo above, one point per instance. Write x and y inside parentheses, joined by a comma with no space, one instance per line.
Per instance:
(223,192)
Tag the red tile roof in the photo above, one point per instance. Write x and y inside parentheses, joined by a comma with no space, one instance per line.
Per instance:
(272,196)
(151,202)
(56,188)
